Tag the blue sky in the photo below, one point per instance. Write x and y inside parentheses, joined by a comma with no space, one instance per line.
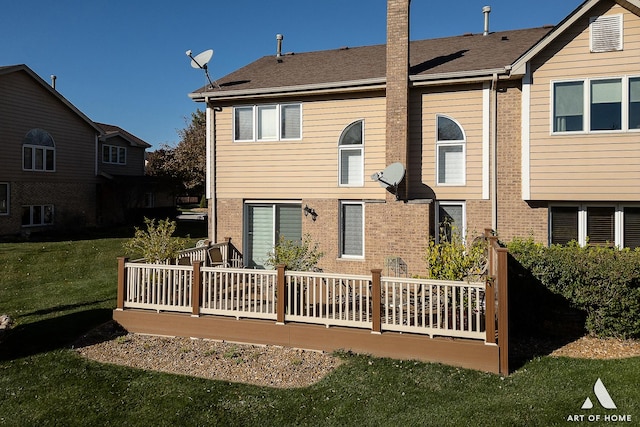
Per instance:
(123,62)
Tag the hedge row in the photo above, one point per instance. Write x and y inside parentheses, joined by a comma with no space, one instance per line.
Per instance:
(602,282)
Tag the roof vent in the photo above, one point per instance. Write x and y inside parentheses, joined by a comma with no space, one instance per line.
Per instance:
(486,10)
(279,38)
(53,80)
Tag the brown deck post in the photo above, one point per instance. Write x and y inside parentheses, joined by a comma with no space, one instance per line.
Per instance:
(503,310)
(490,309)
(376,290)
(281,296)
(196,287)
(122,282)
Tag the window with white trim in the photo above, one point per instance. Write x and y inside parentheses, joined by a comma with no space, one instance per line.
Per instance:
(606,33)
(35,215)
(38,151)
(351,229)
(595,224)
(450,147)
(114,154)
(4,198)
(272,122)
(450,217)
(596,105)
(351,155)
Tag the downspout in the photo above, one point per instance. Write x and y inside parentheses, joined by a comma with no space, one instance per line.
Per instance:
(210,183)
(494,153)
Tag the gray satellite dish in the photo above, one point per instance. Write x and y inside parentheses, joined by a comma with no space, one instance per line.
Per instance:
(200,61)
(390,177)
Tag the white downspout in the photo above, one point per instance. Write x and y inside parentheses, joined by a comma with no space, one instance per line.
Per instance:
(210,183)
(494,153)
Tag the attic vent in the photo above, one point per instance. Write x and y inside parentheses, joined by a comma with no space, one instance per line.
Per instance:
(606,33)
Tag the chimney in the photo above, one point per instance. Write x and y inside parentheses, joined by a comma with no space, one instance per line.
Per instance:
(486,10)
(279,38)
(397,91)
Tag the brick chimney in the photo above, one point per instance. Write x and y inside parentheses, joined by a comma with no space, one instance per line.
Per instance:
(397,94)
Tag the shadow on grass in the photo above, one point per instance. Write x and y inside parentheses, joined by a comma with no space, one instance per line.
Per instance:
(540,321)
(66,307)
(51,334)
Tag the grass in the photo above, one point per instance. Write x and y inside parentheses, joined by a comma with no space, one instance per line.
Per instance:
(57,291)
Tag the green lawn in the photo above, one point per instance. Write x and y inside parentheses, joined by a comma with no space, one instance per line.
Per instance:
(57,291)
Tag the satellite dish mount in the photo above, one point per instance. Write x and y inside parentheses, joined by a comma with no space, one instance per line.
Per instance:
(390,177)
(200,61)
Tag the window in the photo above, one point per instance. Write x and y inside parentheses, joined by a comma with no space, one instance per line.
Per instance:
(266,223)
(114,154)
(350,148)
(450,145)
(601,225)
(4,198)
(37,215)
(267,122)
(612,104)
(351,230)
(606,33)
(149,200)
(38,151)
(450,220)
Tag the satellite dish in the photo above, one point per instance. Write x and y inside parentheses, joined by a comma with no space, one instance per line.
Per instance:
(200,61)
(390,177)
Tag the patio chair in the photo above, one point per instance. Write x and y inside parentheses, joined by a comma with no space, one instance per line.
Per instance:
(215,257)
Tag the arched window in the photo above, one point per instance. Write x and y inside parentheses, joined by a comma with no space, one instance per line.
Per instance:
(38,151)
(450,146)
(350,149)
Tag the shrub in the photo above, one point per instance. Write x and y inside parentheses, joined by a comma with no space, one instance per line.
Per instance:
(603,282)
(156,243)
(452,259)
(295,255)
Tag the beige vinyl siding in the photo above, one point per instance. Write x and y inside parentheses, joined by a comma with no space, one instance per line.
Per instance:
(597,166)
(306,168)
(27,105)
(464,104)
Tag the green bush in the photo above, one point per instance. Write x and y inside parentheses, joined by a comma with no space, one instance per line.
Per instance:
(156,243)
(295,255)
(603,282)
(452,259)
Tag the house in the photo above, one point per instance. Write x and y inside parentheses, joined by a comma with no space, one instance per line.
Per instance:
(55,160)
(530,132)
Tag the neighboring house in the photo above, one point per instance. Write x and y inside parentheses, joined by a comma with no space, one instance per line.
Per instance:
(52,156)
(529,132)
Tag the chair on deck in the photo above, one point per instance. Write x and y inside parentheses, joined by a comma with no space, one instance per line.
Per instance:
(215,257)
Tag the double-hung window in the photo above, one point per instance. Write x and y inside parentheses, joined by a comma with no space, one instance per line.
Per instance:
(351,155)
(351,229)
(450,147)
(451,221)
(271,122)
(4,198)
(596,105)
(599,224)
(35,215)
(114,154)
(38,151)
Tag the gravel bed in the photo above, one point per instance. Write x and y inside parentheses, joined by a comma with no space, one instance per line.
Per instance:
(272,366)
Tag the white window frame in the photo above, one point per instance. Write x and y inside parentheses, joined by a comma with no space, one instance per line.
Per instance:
(344,148)
(256,122)
(463,229)
(4,210)
(448,144)
(582,220)
(42,208)
(120,157)
(586,109)
(33,156)
(341,236)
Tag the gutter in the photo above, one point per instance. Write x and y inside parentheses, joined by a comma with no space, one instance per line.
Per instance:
(378,83)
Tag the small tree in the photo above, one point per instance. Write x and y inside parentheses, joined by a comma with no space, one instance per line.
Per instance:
(295,255)
(156,243)
(452,259)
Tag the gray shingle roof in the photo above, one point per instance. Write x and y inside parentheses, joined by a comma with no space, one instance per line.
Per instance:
(459,54)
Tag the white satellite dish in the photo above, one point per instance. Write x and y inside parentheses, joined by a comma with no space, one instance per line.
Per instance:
(200,61)
(390,177)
